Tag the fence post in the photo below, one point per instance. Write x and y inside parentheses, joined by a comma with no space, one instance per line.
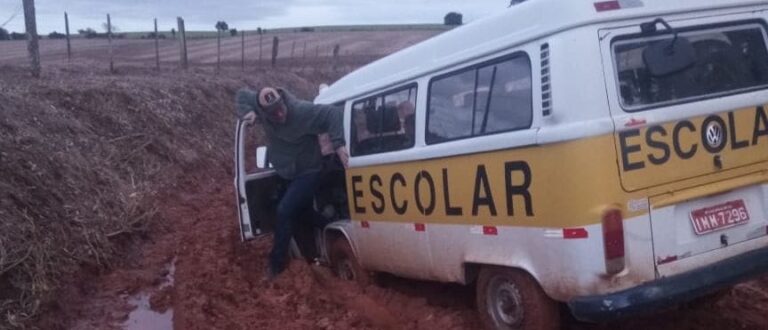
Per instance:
(66,26)
(275,44)
(293,48)
(111,52)
(183,43)
(157,48)
(336,50)
(32,40)
(242,49)
(304,54)
(218,48)
(261,34)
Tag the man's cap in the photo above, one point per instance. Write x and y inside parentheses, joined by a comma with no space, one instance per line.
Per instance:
(268,98)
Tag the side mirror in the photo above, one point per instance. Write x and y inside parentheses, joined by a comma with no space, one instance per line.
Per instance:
(666,57)
(262,160)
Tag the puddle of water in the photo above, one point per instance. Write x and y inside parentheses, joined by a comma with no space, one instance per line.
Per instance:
(143,317)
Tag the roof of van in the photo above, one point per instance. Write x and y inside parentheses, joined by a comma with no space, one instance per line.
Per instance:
(519,24)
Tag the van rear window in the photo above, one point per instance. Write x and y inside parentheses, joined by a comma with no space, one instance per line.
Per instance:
(726,60)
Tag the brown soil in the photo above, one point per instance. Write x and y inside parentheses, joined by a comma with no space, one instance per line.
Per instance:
(220,284)
(84,156)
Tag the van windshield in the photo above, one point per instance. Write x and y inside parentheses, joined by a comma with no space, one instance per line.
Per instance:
(728,60)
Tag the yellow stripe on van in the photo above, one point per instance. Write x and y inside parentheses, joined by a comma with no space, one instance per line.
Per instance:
(662,154)
(559,185)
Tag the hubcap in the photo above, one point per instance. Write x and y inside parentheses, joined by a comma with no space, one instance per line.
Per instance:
(505,303)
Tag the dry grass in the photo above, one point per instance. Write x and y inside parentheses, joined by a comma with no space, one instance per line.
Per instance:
(83,156)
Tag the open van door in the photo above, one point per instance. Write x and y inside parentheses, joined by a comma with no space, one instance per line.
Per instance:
(256,185)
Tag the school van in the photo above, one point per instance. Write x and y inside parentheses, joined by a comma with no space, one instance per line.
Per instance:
(606,156)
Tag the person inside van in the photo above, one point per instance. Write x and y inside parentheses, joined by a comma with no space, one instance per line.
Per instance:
(292,126)
(407,113)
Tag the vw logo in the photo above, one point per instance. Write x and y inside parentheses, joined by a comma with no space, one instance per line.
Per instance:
(714,135)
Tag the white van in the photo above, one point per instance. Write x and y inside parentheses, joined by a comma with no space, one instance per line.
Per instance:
(608,155)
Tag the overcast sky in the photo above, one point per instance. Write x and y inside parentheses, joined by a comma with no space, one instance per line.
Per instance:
(137,15)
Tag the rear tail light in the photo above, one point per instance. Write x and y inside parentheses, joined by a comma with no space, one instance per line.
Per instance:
(613,241)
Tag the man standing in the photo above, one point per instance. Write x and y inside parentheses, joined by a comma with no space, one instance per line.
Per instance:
(292,127)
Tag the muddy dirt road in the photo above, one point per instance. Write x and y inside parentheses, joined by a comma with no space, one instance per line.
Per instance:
(218,283)
(195,271)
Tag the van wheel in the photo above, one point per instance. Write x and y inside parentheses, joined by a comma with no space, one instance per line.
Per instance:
(511,299)
(345,265)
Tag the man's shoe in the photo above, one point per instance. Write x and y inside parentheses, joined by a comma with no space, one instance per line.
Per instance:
(270,274)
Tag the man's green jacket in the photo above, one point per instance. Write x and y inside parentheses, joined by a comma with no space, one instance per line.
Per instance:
(293,146)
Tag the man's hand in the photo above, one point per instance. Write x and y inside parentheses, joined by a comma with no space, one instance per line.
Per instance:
(343,156)
(250,118)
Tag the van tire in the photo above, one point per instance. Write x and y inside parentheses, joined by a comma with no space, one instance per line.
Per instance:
(531,308)
(345,264)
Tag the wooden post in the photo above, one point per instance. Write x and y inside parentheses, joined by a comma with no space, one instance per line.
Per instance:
(275,45)
(242,49)
(304,54)
(32,40)
(183,43)
(218,49)
(111,52)
(336,50)
(157,48)
(293,48)
(261,34)
(66,26)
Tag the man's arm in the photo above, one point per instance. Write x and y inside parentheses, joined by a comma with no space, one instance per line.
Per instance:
(327,119)
(330,119)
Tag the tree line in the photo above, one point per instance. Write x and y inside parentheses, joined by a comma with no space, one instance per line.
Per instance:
(87,33)
(452,18)
(90,33)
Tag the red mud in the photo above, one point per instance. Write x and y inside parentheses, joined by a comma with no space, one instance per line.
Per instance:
(219,284)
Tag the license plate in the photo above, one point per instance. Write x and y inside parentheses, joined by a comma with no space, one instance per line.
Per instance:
(719,217)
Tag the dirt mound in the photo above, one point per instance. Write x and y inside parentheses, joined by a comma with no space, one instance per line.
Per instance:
(84,154)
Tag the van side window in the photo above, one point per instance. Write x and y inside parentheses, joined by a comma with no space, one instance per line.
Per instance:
(728,59)
(384,123)
(485,99)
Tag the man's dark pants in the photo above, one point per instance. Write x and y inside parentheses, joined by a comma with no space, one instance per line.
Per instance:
(295,206)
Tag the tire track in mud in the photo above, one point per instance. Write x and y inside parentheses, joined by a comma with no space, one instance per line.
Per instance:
(221,284)
(234,294)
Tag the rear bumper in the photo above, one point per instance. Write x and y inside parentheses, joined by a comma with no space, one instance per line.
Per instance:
(671,290)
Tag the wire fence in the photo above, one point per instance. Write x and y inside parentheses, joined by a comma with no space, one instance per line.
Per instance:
(298,48)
